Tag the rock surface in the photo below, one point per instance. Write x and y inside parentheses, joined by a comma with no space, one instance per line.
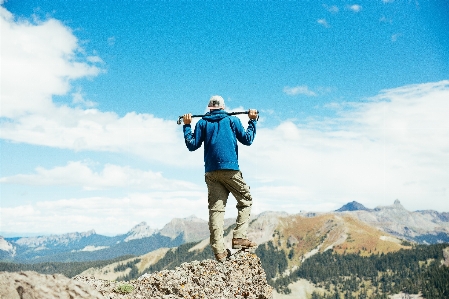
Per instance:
(242,276)
(32,285)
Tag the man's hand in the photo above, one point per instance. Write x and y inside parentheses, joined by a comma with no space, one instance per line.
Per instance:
(187,119)
(252,114)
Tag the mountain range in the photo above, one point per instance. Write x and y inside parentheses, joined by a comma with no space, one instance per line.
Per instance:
(313,231)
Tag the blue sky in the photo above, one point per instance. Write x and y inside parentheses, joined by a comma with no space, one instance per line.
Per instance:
(353,101)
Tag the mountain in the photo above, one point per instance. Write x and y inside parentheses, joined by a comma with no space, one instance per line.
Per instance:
(428,227)
(7,250)
(290,247)
(295,237)
(421,226)
(141,230)
(86,246)
(352,206)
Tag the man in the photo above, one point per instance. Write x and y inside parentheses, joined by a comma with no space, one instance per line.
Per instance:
(220,132)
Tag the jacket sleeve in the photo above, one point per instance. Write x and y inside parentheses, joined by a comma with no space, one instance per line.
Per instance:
(247,136)
(195,139)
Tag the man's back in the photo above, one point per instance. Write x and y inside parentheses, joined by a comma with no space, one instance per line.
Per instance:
(220,133)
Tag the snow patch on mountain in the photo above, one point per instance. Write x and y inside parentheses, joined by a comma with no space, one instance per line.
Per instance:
(141,230)
(92,248)
(6,246)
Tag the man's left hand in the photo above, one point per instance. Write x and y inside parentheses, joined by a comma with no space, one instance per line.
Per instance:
(252,114)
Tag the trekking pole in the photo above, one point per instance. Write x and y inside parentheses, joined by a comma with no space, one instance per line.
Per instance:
(228,113)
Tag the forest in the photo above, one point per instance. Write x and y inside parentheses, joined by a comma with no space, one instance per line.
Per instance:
(350,276)
(69,269)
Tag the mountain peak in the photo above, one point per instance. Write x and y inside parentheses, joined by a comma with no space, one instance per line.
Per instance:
(193,218)
(352,206)
(141,230)
(396,206)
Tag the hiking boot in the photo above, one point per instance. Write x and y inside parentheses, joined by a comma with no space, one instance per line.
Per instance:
(239,243)
(221,257)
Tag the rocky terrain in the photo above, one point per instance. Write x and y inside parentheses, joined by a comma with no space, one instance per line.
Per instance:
(28,284)
(239,277)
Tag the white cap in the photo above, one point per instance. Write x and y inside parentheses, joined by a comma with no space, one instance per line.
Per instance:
(216,102)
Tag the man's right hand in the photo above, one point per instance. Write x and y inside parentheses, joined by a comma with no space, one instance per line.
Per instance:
(187,119)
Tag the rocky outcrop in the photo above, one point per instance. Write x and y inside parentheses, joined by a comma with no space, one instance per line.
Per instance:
(242,276)
(21,285)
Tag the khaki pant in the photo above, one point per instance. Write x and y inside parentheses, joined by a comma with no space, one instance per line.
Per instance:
(219,184)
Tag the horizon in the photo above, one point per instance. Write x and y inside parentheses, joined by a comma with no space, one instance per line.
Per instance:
(11,235)
(353,102)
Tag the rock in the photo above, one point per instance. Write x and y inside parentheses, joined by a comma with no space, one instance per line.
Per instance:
(242,276)
(32,285)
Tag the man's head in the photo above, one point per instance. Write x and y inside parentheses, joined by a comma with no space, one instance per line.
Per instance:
(216,102)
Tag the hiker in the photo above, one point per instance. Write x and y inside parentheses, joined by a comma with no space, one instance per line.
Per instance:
(220,132)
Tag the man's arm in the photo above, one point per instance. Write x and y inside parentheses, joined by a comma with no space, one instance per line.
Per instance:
(247,136)
(193,140)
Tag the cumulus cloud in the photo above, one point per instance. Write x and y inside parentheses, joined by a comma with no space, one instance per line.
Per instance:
(393,146)
(38,62)
(303,89)
(112,176)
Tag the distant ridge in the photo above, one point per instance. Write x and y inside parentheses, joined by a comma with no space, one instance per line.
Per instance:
(352,206)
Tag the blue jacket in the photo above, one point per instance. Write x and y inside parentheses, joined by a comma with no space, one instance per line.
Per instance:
(220,133)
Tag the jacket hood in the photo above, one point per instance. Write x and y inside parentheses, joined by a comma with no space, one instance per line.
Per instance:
(215,115)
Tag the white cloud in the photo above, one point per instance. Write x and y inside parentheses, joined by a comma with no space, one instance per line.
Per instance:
(355,7)
(323,22)
(303,89)
(38,62)
(143,135)
(78,99)
(393,146)
(112,176)
(106,215)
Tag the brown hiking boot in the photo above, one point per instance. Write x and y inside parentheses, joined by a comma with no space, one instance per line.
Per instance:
(221,257)
(239,243)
